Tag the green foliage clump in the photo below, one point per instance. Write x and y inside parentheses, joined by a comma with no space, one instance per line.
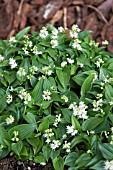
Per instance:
(56,99)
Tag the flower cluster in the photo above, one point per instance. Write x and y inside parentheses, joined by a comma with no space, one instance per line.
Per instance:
(21,72)
(67,146)
(12,63)
(48,134)
(71,130)
(55,144)
(15,138)
(9,98)
(43,33)
(46,95)
(10,120)
(76,44)
(74,31)
(97,104)
(57,120)
(108,165)
(47,70)
(80,110)
(24,95)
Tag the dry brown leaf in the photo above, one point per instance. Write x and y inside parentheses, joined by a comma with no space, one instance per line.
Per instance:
(57,17)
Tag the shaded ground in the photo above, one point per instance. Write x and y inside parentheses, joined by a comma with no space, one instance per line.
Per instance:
(96,15)
(10,163)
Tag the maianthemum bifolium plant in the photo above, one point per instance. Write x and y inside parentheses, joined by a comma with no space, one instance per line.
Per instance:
(56,99)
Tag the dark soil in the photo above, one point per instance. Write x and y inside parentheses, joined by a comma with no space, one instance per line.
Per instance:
(11,163)
(95,15)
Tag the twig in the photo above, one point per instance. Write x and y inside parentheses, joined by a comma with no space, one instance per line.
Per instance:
(100,13)
(20,7)
(65,17)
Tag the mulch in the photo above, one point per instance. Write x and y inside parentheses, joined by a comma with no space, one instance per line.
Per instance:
(95,15)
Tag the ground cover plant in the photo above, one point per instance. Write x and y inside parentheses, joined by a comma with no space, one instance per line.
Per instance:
(56,99)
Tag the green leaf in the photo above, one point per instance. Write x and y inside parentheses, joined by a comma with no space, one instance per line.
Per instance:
(71,158)
(106,150)
(63,77)
(44,125)
(23,32)
(17,147)
(37,91)
(75,123)
(23,130)
(4,136)
(30,118)
(2,103)
(4,153)
(91,123)
(99,166)
(79,78)
(52,53)
(58,163)
(34,141)
(108,92)
(83,160)
(94,161)
(77,140)
(46,152)
(46,84)
(84,34)
(87,85)
(40,158)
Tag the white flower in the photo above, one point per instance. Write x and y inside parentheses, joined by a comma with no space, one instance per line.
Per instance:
(43,33)
(47,70)
(54,33)
(30,44)
(107,165)
(80,110)
(48,140)
(70,61)
(74,31)
(61,29)
(97,104)
(9,120)
(9,98)
(15,138)
(76,28)
(70,130)
(112,129)
(64,136)
(21,72)
(65,98)
(73,34)
(12,39)
(46,95)
(57,120)
(33,69)
(12,63)
(98,62)
(1,58)
(76,44)
(55,144)
(105,42)
(67,146)
(54,43)
(63,64)
(43,163)
(27,98)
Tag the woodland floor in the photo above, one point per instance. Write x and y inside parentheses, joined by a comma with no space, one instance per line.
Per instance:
(95,15)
